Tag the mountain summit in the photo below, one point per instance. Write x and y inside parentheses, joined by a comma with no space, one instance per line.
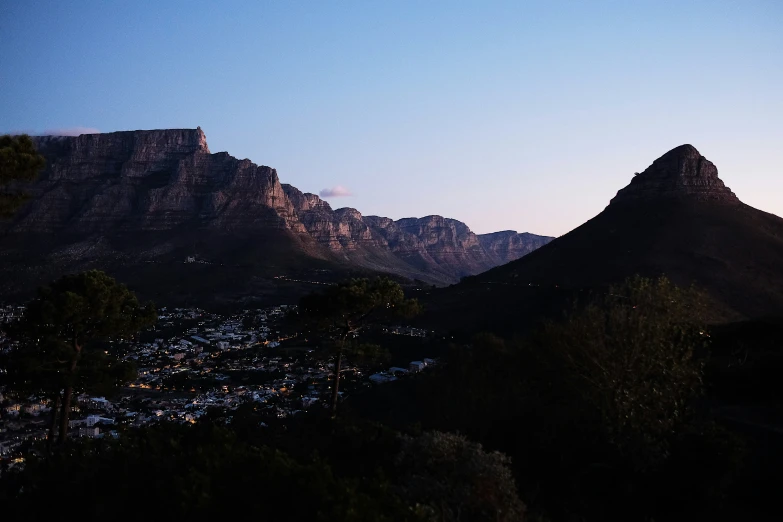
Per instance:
(676,218)
(681,173)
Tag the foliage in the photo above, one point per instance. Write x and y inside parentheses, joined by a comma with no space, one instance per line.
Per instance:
(19,161)
(201,472)
(58,333)
(84,307)
(342,310)
(631,356)
(345,308)
(314,469)
(570,406)
(457,480)
(34,367)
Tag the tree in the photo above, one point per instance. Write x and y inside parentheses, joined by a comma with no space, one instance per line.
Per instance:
(201,472)
(632,356)
(343,310)
(33,369)
(19,161)
(66,320)
(457,479)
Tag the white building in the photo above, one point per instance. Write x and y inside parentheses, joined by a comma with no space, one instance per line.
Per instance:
(416,366)
(380,378)
(99,403)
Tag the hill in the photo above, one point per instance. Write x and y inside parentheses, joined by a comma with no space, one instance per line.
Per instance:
(676,218)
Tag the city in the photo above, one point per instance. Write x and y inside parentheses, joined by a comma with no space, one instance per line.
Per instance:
(193,361)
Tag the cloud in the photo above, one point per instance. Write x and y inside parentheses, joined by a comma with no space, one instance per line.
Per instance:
(335,192)
(70,131)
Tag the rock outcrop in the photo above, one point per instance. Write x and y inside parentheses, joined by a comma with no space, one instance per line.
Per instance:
(151,180)
(117,194)
(508,245)
(436,248)
(681,173)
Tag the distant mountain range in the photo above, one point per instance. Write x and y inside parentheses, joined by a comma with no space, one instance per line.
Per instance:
(677,218)
(140,203)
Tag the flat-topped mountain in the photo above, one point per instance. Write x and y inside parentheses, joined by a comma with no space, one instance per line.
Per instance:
(153,199)
(677,218)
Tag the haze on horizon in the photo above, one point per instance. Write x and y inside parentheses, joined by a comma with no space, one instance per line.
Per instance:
(515,115)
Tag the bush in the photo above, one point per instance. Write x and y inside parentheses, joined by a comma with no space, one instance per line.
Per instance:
(457,480)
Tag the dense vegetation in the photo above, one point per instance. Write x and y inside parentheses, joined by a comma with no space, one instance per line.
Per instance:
(601,415)
(19,161)
(59,333)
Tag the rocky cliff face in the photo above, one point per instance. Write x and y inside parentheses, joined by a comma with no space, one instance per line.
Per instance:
(681,173)
(151,180)
(166,187)
(508,245)
(436,248)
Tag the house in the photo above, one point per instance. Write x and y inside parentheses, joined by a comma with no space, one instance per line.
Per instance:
(88,432)
(380,378)
(92,420)
(416,366)
(35,409)
(99,403)
(8,446)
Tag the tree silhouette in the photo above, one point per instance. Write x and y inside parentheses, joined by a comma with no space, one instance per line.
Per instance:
(341,311)
(59,329)
(456,479)
(632,356)
(19,161)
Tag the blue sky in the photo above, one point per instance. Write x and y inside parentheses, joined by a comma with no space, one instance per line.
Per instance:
(517,115)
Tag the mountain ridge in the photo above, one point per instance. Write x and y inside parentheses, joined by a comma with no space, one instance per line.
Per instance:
(161,196)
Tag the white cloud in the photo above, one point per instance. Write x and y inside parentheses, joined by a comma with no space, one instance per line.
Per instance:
(70,131)
(335,192)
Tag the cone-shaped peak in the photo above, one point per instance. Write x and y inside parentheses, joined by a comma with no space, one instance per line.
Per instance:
(683,151)
(681,173)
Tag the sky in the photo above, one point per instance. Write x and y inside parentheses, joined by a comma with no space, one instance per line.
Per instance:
(522,115)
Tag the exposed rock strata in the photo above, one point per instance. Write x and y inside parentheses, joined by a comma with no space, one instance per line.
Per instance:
(508,245)
(681,173)
(166,187)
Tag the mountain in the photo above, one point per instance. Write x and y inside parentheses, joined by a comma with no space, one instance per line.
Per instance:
(507,246)
(141,203)
(676,218)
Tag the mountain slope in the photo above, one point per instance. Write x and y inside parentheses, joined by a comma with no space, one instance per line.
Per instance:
(142,202)
(676,218)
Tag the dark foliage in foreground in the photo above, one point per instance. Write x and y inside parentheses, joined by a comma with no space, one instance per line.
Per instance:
(201,472)
(209,472)
(596,417)
(59,336)
(19,161)
(598,412)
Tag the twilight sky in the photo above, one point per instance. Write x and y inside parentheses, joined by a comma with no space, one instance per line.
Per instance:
(505,115)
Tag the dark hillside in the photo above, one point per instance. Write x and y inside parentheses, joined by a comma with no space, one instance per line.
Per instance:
(676,218)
